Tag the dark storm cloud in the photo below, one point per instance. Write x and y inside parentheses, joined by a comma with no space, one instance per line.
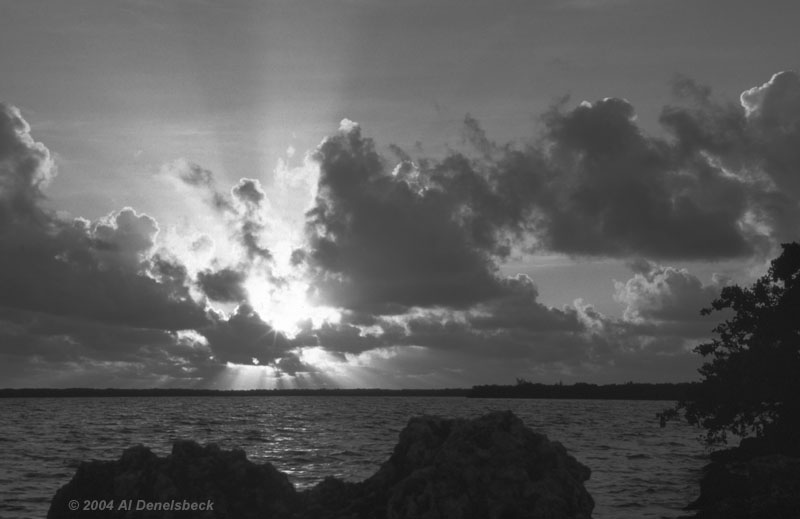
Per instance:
(720,185)
(98,297)
(223,285)
(90,272)
(348,337)
(244,337)
(50,350)
(773,116)
(80,293)
(431,233)
(701,124)
(514,324)
(123,237)
(388,241)
(292,365)
(250,192)
(756,140)
(519,309)
(71,339)
(576,342)
(65,277)
(74,268)
(594,183)
(410,251)
(126,231)
(611,190)
(461,337)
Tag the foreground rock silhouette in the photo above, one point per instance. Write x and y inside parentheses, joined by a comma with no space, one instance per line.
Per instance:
(491,467)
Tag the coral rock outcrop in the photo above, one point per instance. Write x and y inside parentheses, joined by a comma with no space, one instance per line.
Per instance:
(492,467)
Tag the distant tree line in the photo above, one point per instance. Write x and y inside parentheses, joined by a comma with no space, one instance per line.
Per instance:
(581,390)
(522,389)
(180,392)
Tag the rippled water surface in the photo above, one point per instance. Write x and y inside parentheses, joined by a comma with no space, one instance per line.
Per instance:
(639,470)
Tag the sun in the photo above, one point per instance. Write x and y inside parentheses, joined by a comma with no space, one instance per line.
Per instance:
(286,306)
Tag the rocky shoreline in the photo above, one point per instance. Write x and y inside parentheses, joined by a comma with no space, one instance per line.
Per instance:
(752,481)
(488,467)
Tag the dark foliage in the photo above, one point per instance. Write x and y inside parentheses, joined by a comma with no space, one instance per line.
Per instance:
(582,390)
(751,384)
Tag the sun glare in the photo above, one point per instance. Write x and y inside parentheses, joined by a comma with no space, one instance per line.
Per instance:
(286,306)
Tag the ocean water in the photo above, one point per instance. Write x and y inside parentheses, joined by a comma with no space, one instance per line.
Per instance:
(639,470)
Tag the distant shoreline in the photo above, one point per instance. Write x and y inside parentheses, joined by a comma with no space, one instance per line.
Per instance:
(580,391)
(166,392)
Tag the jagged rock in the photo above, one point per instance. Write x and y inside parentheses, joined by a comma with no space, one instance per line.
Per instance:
(491,467)
(749,482)
(192,473)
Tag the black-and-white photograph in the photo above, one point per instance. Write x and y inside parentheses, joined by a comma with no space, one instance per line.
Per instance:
(402,259)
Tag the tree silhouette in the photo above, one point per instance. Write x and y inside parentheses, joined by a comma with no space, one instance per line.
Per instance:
(751,384)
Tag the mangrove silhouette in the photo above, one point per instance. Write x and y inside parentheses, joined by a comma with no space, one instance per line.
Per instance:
(751,388)
(750,384)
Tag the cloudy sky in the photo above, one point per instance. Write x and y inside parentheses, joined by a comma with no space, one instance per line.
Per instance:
(371,193)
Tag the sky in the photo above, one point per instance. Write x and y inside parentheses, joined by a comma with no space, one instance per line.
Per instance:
(369,193)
